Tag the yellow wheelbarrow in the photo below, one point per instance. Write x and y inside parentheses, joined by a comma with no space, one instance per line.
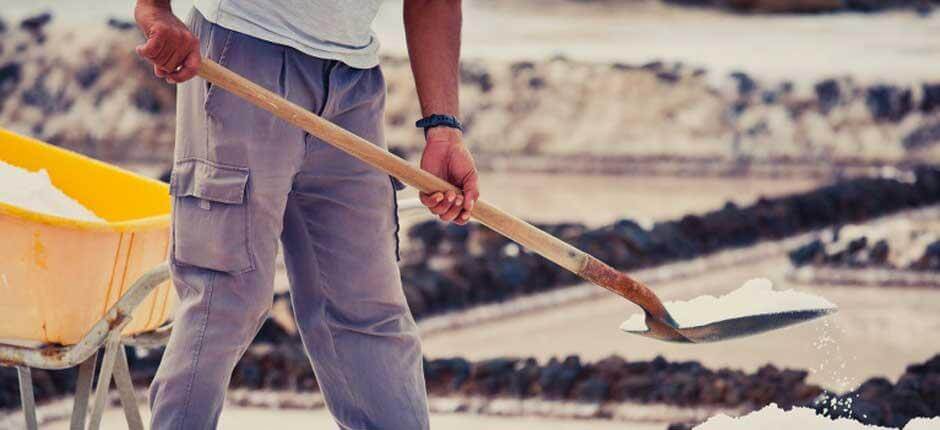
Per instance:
(69,287)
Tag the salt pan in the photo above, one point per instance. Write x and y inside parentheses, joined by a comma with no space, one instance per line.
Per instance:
(34,191)
(772,417)
(755,297)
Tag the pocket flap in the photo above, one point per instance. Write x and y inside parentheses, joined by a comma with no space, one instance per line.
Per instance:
(208,180)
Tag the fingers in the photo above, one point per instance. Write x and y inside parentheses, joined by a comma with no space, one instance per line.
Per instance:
(174,52)
(150,48)
(471,192)
(188,69)
(446,205)
(431,200)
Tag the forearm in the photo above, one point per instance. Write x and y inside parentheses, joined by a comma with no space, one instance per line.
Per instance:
(432,29)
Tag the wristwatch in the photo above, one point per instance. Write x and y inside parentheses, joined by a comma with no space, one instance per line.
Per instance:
(439,121)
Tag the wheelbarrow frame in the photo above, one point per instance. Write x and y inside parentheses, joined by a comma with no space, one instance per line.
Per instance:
(104,333)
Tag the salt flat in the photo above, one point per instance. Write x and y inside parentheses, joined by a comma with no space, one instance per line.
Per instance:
(877,331)
(238,418)
(893,46)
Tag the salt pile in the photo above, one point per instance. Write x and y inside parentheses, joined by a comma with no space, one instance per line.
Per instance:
(774,418)
(755,297)
(34,191)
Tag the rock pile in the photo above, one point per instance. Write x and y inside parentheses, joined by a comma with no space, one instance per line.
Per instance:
(83,88)
(902,245)
(877,401)
(453,267)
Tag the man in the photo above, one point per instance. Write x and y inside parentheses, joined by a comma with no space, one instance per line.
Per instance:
(242,178)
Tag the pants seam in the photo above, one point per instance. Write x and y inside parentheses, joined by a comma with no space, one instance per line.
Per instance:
(195,366)
(329,330)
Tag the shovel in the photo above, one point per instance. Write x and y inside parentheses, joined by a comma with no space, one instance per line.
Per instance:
(660,325)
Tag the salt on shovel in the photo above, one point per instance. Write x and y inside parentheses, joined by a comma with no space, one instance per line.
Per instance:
(660,324)
(753,308)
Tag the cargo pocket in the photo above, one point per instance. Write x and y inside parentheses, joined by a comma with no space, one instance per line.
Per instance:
(210,217)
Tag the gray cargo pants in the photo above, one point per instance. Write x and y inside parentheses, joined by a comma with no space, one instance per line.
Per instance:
(241,179)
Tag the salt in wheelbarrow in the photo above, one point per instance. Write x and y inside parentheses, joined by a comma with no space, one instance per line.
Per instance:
(69,287)
(660,324)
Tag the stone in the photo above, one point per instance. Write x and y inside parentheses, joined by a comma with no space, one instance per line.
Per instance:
(35,23)
(120,24)
(10,76)
(924,136)
(88,75)
(878,254)
(746,84)
(146,100)
(827,94)
(593,390)
(888,102)
(931,97)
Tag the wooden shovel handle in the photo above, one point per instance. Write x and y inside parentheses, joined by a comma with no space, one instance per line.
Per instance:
(514,228)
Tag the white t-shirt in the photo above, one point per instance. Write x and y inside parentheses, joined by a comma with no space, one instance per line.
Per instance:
(332,29)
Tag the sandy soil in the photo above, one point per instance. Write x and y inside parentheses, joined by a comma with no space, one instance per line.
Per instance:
(873,334)
(237,418)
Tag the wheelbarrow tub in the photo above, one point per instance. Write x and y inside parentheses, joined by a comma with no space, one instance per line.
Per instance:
(59,276)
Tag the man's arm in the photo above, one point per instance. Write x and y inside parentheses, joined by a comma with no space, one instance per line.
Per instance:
(170,46)
(432,28)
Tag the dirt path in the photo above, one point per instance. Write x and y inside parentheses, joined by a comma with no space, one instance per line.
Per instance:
(873,334)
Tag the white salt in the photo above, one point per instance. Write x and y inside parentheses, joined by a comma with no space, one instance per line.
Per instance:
(34,191)
(772,417)
(755,297)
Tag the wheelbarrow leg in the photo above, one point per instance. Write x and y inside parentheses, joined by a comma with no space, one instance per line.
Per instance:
(125,386)
(26,396)
(86,373)
(104,380)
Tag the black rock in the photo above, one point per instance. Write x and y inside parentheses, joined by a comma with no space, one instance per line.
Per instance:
(931,99)
(520,66)
(930,260)
(145,100)
(537,82)
(88,75)
(521,381)
(923,136)
(120,24)
(746,84)
(653,66)
(10,76)
(888,102)
(36,22)
(878,254)
(668,77)
(828,94)
(592,390)
(476,75)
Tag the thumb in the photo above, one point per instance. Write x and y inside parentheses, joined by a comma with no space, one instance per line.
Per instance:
(149,49)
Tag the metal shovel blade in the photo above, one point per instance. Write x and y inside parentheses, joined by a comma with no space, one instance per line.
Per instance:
(729,328)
